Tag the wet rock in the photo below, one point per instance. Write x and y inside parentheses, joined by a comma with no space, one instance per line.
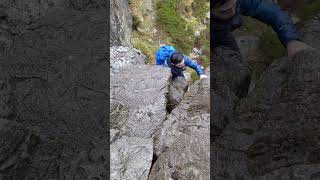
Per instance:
(131,158)
(120,23)
(310,33)
(182,144)
(275,133)
(178,87)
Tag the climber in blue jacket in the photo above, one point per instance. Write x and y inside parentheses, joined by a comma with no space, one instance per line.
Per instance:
(168,56)
(226,18)
(177,62)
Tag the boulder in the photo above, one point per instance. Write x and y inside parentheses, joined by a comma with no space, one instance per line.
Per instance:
(131,158)
(182,144)
(120,23)
(121,57)
(178,87)
(53,80)
(310,33)
(275,132)
(138,96)
(229,69)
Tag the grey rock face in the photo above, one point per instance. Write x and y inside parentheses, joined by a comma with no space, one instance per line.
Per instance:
(178,87)
(310,33)
(138,95)
(230,70)
(24,154)
(131,158)
(53,80)
(120,23)
(275,132)
(138,99)
(19,14)
(121,57)
(183,142)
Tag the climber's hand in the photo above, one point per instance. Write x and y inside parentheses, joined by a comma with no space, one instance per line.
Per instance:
(295,46)
(203,76)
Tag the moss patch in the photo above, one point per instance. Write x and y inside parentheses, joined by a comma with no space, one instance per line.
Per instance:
(310,9)
(271,46)
(200,8)
(175,25)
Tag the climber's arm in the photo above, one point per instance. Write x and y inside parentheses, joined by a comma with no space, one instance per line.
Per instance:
(271,14)
(194,65)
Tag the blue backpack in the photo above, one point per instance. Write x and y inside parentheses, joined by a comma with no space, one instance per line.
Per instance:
(163,53)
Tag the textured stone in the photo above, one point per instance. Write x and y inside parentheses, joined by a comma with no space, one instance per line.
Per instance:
(275,133)
(131,158)
(230,70)
(53,80)
(120,23)
(138,97)
(310,33)
(121,57)
(178,87)
(182,144)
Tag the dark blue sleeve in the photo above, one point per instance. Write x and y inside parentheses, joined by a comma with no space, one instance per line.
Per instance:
(271,14)
(193,64)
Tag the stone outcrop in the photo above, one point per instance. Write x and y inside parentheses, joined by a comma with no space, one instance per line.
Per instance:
(138,107)
(53,90)
(310,33)
(131,158)
(120,23)
(182,144)
(275,132)
(178,87)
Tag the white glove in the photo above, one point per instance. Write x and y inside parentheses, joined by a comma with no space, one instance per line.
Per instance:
(295,46)
(203,76)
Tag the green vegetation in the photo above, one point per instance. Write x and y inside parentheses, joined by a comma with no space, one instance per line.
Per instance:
(147,48)
(136,22)
(203,41)
(194,77)
(271,46)
(175,25)
(310,9)
(200,8)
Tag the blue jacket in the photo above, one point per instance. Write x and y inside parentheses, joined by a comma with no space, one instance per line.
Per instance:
(176,71)
(265,11)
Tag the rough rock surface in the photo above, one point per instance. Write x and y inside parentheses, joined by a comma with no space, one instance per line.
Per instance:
(131,158)
(121,57)
(120,23)
(17,16)
(182,144)
(311,33)
(275,133)
(178,87)
(138,99)
(53,80)
(229,70)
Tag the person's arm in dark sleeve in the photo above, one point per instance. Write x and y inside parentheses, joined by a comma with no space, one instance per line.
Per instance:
(194,65)
(271,14)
